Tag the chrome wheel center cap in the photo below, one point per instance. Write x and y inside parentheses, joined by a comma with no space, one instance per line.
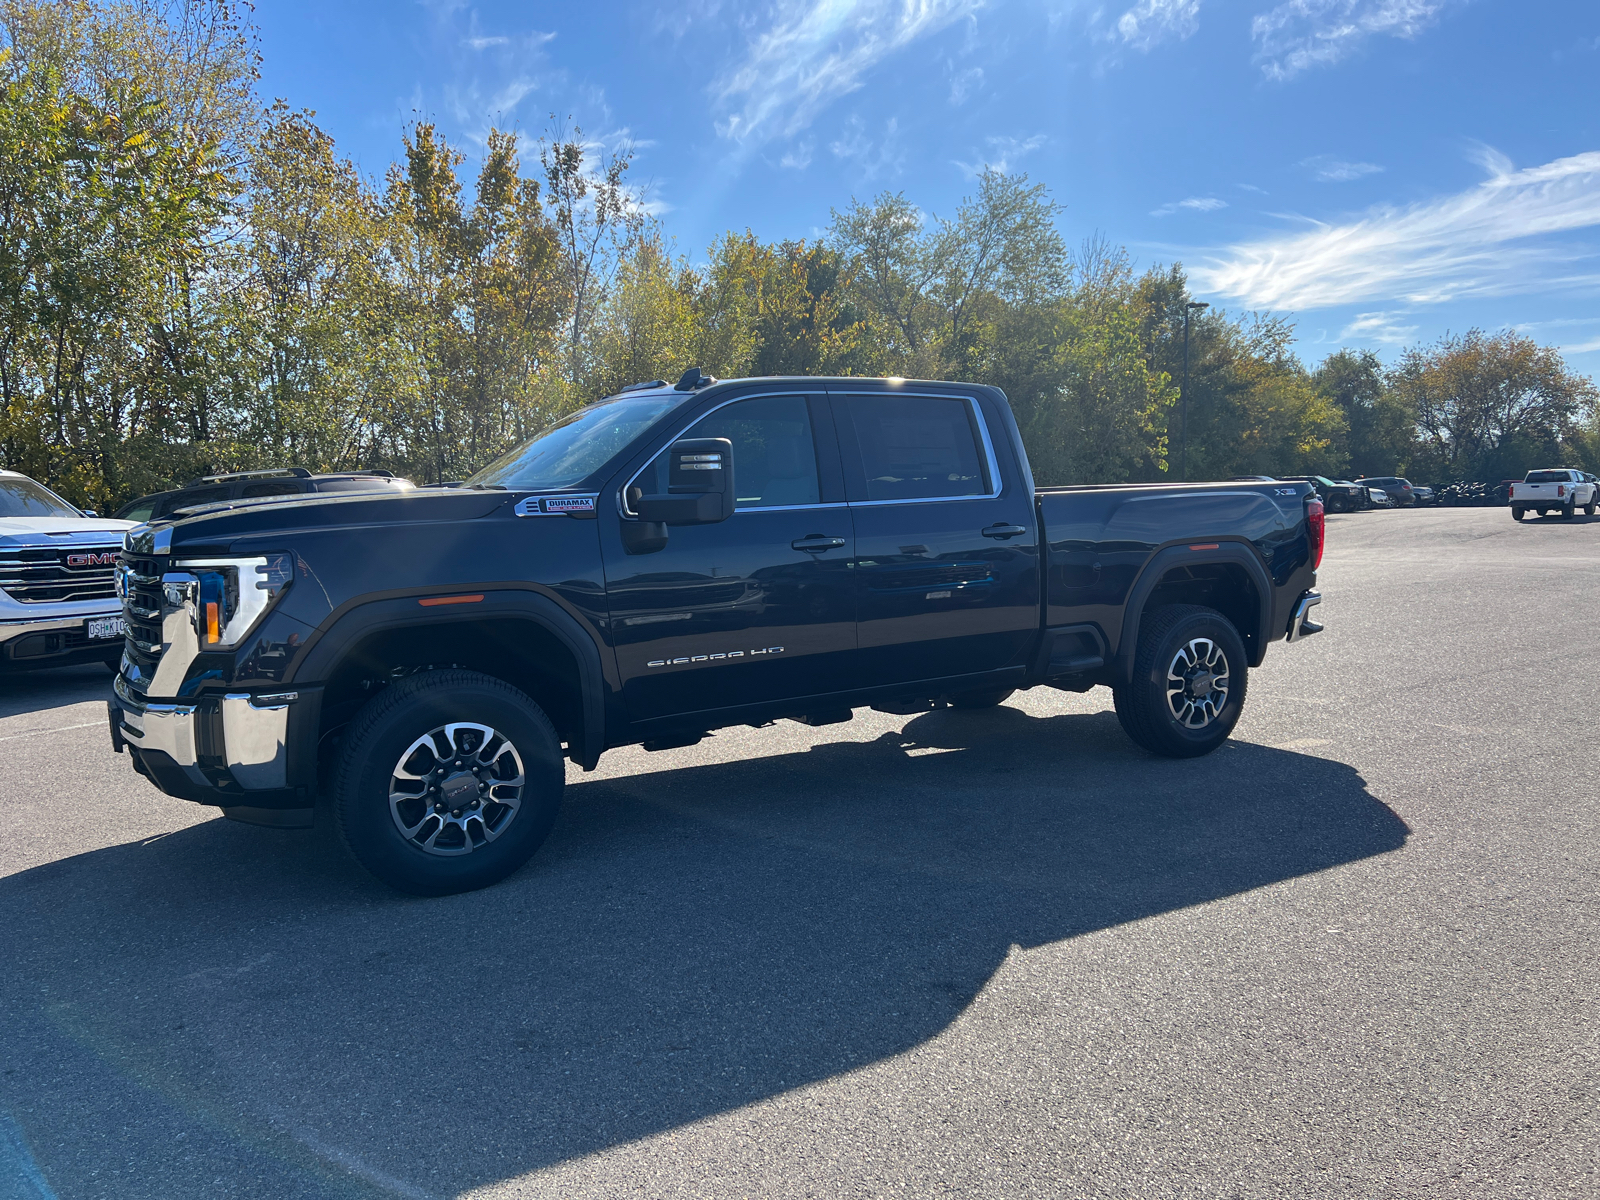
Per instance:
(1200,684)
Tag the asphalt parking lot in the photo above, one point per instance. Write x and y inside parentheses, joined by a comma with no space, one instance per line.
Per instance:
(1354,953)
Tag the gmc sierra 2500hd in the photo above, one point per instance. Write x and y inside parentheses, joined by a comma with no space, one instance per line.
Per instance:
(665,562)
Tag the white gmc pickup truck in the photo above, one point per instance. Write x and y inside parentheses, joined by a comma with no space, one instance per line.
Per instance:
(58,600)
(1560,490)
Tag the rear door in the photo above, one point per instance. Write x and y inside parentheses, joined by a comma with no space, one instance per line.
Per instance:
(755,608)
(946,563)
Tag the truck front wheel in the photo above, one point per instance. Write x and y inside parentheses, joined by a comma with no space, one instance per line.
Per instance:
(1188,685)
(448,781)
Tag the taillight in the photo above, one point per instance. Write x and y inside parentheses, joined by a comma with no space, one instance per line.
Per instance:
(1317,529)
(1561,489)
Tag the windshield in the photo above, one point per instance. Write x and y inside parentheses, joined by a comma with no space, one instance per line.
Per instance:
(25,498)
(577,446)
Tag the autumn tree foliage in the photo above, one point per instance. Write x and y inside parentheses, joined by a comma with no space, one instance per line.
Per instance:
(192,280)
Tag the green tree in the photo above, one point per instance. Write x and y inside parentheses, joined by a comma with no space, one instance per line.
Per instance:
(1382,424)
(1489,406)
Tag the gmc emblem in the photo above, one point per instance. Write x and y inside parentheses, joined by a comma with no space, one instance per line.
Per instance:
(108,559)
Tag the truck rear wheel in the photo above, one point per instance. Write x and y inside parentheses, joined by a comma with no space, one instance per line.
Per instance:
(1568,512)
(448,782)
(1188,685)
(1518,513)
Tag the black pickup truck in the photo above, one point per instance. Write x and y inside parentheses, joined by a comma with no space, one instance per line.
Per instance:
(666,562)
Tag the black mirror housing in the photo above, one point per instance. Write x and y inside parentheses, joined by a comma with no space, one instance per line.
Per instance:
(699,485)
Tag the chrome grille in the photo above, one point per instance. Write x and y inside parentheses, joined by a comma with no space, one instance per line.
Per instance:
(48,575)
(141,608)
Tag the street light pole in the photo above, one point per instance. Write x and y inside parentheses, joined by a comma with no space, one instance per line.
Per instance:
(1183,394)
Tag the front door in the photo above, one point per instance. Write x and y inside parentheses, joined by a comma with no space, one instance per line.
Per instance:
(755,608)
(946,552)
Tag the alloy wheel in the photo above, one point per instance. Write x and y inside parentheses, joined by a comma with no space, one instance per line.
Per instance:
(456,788)
(1197,683)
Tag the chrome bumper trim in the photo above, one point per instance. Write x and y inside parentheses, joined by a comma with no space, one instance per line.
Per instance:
(15,629)
(254,734)
(168,728)
(255,737)
(1301,625)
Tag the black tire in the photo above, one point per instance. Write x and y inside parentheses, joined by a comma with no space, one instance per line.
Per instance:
(1568,512)
(992,698)
(1518,513)
(1143,705)
(1588,509)
(1544,512)
(411,714)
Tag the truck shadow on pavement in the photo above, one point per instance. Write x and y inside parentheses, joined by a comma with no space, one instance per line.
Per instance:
(241,1003)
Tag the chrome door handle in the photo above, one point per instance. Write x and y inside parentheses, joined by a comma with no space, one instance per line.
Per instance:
(1003,531)
(815,543)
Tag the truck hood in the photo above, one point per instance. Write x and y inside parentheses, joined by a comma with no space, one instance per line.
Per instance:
(217,527)
(60,531)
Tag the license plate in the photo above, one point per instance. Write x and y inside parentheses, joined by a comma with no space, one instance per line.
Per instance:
(104,628)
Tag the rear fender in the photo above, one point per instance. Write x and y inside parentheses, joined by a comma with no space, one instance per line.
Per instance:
(1229,553)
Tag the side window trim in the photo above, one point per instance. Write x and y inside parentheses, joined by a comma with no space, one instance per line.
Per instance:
(818,432)
(857,475)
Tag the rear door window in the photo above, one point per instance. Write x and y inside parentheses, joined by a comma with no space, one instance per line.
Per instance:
(1548,477)
(919,447)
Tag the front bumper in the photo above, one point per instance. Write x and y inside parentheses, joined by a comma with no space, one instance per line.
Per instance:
(50,641)
(256,750)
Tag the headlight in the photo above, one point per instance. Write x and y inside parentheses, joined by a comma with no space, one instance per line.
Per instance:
(229,595)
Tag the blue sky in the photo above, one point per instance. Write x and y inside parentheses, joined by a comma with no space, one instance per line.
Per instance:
(1383,171)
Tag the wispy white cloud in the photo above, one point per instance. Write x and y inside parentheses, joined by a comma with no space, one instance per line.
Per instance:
(1003,155)
(1151,22)
(871,156)
(1497,238)
(814,51)
(1326,169)
(1250,187)
(1301,34)
(966,84)
(1378,327)
(483,43)
(798,157)
(1193,203)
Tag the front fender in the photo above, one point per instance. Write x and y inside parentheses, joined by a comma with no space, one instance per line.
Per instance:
(360,619)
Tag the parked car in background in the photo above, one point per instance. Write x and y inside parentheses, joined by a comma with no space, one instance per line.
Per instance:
(1399,490)
(247,485)
(58,599)
(1424,495)
(1338,496)
(1379,498)
(1559,489)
